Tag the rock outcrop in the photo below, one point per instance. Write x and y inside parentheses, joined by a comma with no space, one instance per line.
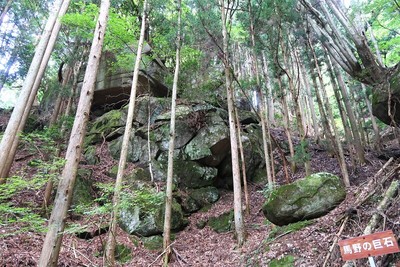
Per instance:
(307,198)
(202,161)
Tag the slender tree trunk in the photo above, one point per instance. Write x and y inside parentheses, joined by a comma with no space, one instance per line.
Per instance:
(350,112)
(60,97)
(243,165)
(262,104)
(286,124)
(299,119)
(310,102)
(377,138)
(269,118)
(29,89)
(269,95)
(341,158)
(343,114)
(376,46)
(171,148)
(4,11)
(237,195)
(109,255)
(52,242)
(49,186)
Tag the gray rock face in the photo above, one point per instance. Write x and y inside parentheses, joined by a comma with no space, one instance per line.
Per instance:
(382,93)
(308,198)
(113,86)
(148,221)
(83,185)
(198,198)
(201,156)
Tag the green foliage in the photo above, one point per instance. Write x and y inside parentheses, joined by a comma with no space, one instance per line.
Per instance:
(268,190)
(301,154)
(82,20)
(15,219)
(123,254)
(283,230)
(146,199)
(286,261)
(385,26)
(103,202)
(43,142)
(17,184)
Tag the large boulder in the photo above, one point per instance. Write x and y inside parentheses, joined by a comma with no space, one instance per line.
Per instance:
(113,84)
(211,144)
(107,127)
(81,195)
(199,198)
(307,198)
(384,93)
(147,218)
(193,175)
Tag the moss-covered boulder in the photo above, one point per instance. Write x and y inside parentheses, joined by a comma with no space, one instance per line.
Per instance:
(90,156)
(198,198)
(211,144)
(222,223)
(83,186)
(154,105)
(137,149)
(107,127)
(384,93)
(193,175)
(147,218)
(307,198)
(154,242)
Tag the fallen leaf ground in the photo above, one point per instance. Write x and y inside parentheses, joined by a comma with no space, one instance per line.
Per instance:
(204,247)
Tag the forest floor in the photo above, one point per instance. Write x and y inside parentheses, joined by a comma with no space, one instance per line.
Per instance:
(203,247)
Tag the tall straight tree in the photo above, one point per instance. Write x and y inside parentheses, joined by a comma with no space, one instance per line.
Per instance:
(263,109)
(109,255)
(237,190)
(335,135)
(32,96)
(171,147)
(350,112)
(17,122)
(52,242)
(5,10)
(347,43)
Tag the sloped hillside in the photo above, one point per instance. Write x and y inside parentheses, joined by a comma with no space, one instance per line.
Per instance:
(200,243)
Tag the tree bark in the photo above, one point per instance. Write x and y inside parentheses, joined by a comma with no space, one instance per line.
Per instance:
(263,113)
(237,195)
(109,255)
(170,170)
(4,11)
(286,124)
(29,89)
(350,112)
(310,101)
(335,139)
(52,242)
(377,138)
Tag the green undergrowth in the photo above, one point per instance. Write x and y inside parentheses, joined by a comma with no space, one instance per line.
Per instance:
(287,261)
(146,199)
(20,209)
(276,232)
(15,219)
(279,231)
